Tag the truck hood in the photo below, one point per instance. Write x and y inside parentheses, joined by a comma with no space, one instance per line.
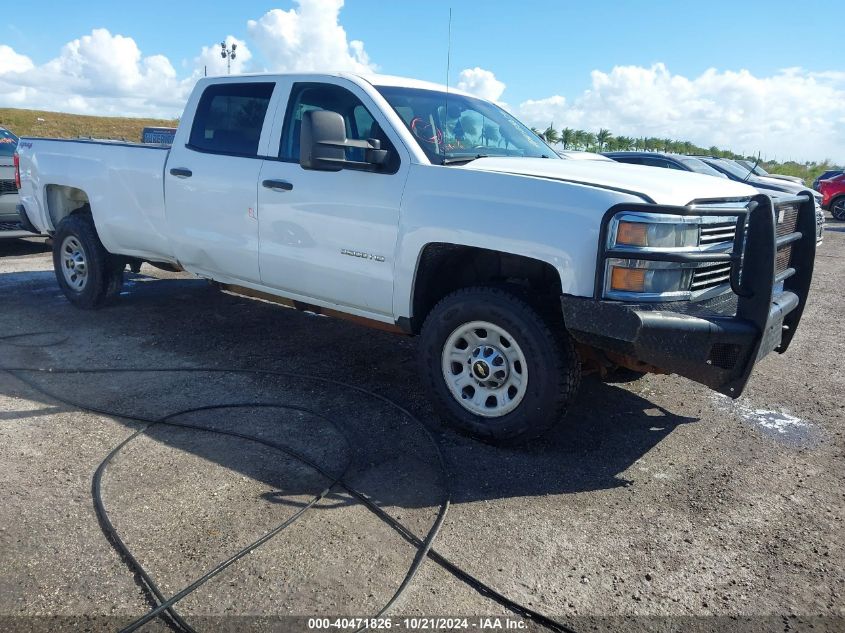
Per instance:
(662,186)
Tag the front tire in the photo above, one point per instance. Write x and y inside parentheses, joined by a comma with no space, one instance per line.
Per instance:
(87,273)
(495,368)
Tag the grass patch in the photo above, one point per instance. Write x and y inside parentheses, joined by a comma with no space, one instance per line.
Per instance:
(60,125)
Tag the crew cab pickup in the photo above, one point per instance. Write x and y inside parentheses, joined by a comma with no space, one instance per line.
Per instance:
(434,213)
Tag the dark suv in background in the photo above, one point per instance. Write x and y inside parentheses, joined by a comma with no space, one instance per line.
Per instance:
(667,161)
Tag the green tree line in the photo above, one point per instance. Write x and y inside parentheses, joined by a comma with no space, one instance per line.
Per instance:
(605,141)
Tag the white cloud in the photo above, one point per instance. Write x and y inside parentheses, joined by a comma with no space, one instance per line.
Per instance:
(12,62)
(481,83)
(98,73)
(791,114)
(308,38)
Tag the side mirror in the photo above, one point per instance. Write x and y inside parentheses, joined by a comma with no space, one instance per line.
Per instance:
(323,144)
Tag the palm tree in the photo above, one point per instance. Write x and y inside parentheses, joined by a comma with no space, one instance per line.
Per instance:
(567,137)
(602,138)
(551,135)
(589,141)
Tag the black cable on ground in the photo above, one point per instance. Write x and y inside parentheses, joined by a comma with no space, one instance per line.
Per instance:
(164,607)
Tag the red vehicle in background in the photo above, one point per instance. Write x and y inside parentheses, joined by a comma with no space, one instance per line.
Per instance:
(833,196)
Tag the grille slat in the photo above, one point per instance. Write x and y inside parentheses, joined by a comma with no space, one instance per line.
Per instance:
(710,276)
(717,233)
(7,186)
(713,275)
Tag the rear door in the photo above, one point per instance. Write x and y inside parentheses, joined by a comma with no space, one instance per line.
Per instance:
(211,181)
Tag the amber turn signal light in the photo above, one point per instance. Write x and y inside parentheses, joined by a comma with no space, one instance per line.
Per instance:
(632,234)
(627,279)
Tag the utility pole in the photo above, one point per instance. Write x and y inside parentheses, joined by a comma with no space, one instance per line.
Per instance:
(228,54)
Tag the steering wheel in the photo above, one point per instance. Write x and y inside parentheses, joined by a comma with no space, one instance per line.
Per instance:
(425,131)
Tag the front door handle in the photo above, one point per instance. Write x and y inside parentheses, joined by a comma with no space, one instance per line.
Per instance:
(277,185)
(181,172)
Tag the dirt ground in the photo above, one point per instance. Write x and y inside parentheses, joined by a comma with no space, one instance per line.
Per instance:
(656,505)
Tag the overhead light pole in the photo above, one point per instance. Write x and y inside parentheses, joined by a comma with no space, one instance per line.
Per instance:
(228,54)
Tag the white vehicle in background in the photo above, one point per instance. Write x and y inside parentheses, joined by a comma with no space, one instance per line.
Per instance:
(576,155)
(371,198)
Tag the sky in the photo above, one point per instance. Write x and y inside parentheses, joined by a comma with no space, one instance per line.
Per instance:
(749,76)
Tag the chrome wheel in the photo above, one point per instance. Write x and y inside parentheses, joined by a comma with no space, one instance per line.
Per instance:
(74,263)
(484,369)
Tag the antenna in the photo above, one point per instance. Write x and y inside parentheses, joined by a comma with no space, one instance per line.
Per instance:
(751,171)
(448,67)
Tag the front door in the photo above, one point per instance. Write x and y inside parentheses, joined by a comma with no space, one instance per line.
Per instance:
(331,236)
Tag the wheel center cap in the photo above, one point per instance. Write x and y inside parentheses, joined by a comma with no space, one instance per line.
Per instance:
(481,370)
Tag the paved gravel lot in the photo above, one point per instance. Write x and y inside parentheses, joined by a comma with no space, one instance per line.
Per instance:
(656,505)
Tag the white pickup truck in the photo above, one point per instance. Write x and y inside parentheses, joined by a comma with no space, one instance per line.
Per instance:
(436,214)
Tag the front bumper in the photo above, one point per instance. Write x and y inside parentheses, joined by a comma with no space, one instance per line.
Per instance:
(717,342)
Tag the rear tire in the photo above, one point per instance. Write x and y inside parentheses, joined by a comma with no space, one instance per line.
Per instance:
(87,273)
(837,208)
(494,367)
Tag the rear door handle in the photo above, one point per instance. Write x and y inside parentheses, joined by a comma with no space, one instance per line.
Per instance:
(277,185)
(181,172)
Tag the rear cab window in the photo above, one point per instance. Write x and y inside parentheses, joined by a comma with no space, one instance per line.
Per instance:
(229,118)
(8,143)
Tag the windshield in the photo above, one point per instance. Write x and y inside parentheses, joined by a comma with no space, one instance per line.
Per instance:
(468,129)
(8,143)
(735,169)
(700,167)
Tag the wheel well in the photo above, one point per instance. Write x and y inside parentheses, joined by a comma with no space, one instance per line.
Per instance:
(444,268)
(63,200)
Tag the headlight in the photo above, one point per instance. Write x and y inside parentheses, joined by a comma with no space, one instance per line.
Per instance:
(644,234)
(629,276)
(647,278)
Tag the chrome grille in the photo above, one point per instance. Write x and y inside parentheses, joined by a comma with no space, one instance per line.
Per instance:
(7,186)
(707,276)
(710,276)
(717,233)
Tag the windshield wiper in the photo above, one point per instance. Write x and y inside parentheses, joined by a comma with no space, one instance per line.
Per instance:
(453,160)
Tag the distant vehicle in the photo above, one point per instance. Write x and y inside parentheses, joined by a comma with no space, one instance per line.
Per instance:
(830,173)
(572,155)
(158,135)
(769,186)
(9,199)
(833,196)
(755,169)
(667,161)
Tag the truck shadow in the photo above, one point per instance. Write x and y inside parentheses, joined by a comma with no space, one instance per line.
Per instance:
(184,322)
(23,246)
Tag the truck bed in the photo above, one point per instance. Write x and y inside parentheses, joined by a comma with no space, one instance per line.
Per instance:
(123,181)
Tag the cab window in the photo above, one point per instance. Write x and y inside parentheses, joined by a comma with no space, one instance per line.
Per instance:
(360,123)
(229,118)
